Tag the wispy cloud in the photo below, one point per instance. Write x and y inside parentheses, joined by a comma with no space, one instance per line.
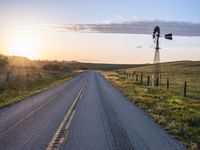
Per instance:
(139,46)
(131,27)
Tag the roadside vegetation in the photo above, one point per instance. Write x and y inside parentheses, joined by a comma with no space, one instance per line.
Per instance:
(177,114)
(21,86)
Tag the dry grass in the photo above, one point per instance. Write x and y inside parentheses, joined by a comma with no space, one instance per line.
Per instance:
(23,85)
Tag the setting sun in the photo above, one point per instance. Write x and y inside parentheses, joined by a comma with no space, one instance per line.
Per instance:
(24,45)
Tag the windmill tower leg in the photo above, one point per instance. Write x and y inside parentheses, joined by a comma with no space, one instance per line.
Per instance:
(156,63)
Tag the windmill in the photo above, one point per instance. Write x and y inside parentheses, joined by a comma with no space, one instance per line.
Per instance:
(156,61)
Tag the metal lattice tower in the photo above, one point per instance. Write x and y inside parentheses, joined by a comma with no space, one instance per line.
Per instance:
(156,61)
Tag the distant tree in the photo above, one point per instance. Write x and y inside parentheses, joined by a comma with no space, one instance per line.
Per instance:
(3,61)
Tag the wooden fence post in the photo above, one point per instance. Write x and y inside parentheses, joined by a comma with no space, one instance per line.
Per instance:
(148,80)
(142,78)
(185,89)
(157,81)
(167,84)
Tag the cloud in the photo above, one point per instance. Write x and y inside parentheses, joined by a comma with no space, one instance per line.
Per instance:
(139,46)
(136,27)
(132,27)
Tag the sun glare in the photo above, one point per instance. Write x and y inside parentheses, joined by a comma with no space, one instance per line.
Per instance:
(24,45)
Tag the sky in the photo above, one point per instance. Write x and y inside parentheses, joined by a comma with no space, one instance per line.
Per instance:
(106,31)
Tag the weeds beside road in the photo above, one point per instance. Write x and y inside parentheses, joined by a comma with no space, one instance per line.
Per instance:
(22,86)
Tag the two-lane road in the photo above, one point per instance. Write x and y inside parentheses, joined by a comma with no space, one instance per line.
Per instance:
(102,119)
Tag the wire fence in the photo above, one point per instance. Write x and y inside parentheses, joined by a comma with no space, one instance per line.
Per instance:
(18,74)
(187,85)
(9,76)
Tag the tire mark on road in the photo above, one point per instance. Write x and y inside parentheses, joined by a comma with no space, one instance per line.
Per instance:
(117,136)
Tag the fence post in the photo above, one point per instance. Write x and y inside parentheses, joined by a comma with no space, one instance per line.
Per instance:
(8,76)
(185,89)
(167,84)
(142,78)
(148,80)
(157,81)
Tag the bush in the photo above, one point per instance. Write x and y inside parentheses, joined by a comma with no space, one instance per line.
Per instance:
(3,61)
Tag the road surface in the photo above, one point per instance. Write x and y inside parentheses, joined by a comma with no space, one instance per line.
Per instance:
(85,113)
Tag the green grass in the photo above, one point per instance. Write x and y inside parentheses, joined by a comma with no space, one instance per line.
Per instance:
(179,115)
(22,87)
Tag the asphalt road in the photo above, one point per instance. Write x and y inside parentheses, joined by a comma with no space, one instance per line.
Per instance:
(102,119)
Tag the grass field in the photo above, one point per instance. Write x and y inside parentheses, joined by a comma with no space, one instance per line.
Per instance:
(179,115)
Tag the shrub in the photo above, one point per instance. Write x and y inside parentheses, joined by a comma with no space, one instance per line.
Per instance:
(3,61)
